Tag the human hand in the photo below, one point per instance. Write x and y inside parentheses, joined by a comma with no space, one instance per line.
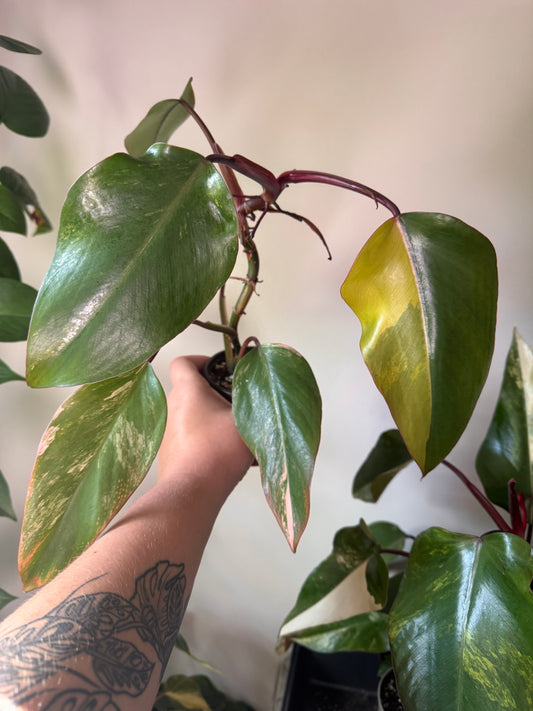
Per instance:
(201,439)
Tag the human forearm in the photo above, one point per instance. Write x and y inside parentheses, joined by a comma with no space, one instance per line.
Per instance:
(99,635)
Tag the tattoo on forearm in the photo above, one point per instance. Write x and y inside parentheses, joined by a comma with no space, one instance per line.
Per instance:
(91,642)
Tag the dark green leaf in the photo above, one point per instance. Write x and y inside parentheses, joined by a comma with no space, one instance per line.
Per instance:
(377,578)
(26,197)
(351,548)
(387,535)
(460,628)
(159,123)
(5,598)
(6,374)
(21,110)
(143,247)
(17,46)
(6,507)
(425,289)
(366,632)
(92,457)
(388,457)
(8,264)
(16,303)
(11,214)
(507,450)
(278,410)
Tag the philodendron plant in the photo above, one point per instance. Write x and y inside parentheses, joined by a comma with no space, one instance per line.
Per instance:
(147,240)
(455,610)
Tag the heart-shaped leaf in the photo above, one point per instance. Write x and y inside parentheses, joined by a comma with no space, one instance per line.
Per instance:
(6,507)
(143,247)
(17,46)
(16,303)
(424,287)
(460,629)
(8,264)
(278,411)
(388,457)
(11,214)
(159,123)
(21,110)
(507,451)
(95,453)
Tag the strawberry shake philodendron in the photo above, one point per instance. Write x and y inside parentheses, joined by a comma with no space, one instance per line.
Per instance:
(147,239)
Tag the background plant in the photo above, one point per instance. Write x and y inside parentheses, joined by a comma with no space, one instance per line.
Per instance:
(23,112)
(454,609)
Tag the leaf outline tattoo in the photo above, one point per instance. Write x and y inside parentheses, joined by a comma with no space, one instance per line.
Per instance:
(93,625)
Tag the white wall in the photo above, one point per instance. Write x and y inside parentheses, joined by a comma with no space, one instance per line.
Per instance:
(428,102)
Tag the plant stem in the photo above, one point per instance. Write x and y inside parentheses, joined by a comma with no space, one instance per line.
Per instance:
(487,505)
(311,176)
(394,551)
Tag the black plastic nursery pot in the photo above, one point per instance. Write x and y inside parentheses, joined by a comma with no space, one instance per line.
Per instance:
(340,681)
(216,374)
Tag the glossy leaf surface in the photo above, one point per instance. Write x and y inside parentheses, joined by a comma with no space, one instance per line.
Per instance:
(17,46)
(366,632)
(388,457)
(11,214)
(22,191)
(424,287)
(507,451)
(460,628)
(21,110)
(159,123)
(6,507)
(6,374)
(93,456)
(143,247)
(278,410)
(8,264)
(16,303)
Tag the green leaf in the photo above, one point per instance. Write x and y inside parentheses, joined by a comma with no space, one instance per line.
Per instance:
(377,578)
(143,247)
(26,197)
(5,598)
(6,507)
(388,457)
(366,632)
(278,410)
(21,110)
(159,123)
(351,548)
(507,451)
(425,289)
(17,46)
(6,374)
(460,628)
(95,453)
(8,264)
(11,214)
(16,303)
